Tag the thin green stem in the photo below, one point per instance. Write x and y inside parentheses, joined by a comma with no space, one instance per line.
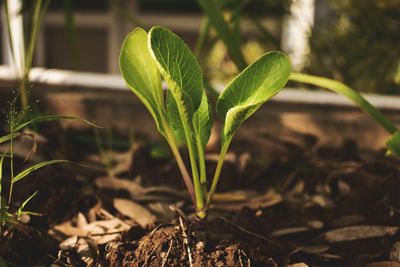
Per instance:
(195,174)
(1,199)
(202,166)
(1,179)
(37,18)
(23,91)
(181,165)
(38,15)
(217,173)
(348,92)
(11,162)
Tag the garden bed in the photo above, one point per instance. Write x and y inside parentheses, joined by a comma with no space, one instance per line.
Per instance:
(306,181)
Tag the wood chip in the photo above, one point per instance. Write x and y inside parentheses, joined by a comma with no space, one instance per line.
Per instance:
(358,232)
(290,231)
(135,211)
(120,184)
(239,199)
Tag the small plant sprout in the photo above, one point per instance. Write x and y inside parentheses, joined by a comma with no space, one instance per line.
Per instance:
(9,215)
(184,116)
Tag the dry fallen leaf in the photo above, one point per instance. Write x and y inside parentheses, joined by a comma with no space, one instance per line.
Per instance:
(133,187)
(317,249)
(349,219)
(238,199)
(100,232)
(290,231)
(395,252)
(135,211)
(358,232)
(138,192)
(300,264)
(81,246)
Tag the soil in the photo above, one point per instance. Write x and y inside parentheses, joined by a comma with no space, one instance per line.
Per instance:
(292,203)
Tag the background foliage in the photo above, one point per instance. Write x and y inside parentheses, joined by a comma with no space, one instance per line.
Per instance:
(357,42)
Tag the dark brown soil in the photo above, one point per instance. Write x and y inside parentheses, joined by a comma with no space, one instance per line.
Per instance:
(295,202)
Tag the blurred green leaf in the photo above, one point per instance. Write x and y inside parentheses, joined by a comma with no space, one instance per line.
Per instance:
(394,144)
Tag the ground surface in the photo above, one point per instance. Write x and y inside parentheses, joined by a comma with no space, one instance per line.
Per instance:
(286,201)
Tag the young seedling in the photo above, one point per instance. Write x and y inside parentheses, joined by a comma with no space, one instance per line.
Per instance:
(8,215)
(184,116)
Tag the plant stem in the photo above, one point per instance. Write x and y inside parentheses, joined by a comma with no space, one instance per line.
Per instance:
(181,165)
(202,166)
(346,91)
(23,91)
(197,186)
(11,161)
(37,18)
(1,199)
(217,173)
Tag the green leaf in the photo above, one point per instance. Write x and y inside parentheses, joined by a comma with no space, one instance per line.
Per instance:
(184,78)
(8,137)
(250,89)
(179,68)
(394,144)
(45,118)
(141,74)
(203,121)
(21,208)
(48,118)
(7,217)
(175,119)
(35,167)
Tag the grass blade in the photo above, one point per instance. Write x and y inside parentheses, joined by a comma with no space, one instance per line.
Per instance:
(21,208)
(48,118)
(8,137)
(394,144)
(1,179)
(346,91)
(35,167)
